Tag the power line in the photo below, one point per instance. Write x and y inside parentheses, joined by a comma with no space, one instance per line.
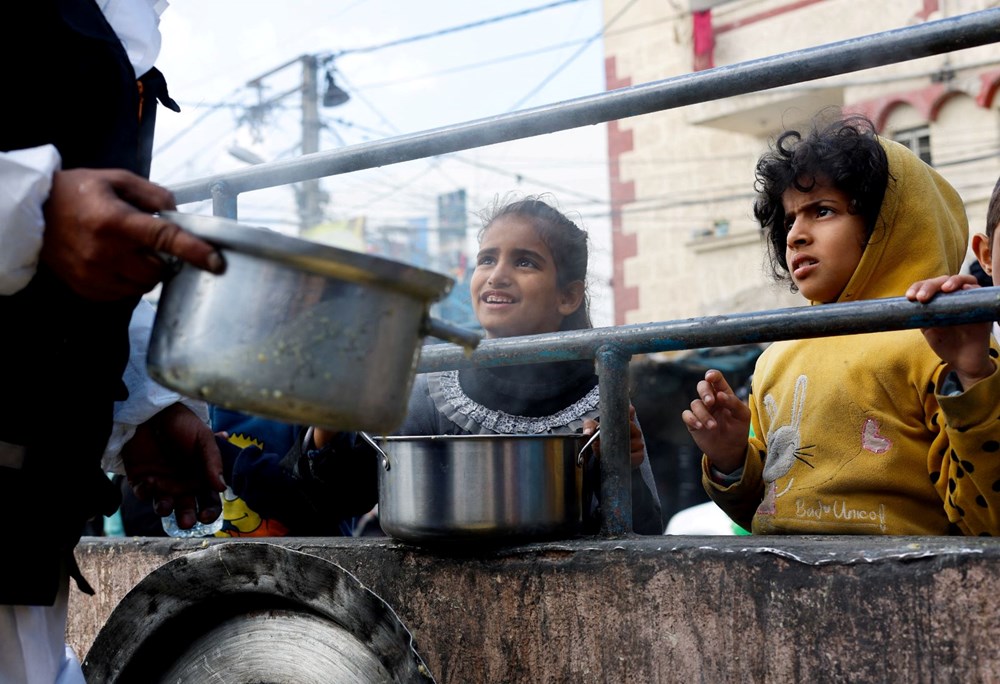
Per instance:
(477,65)
(198,121)
(357,91)
(517,55)
(548,79)
(372,48)
(521,177)
(453,29)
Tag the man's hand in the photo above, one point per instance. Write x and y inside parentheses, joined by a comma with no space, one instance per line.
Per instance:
(174,461)
(102,240)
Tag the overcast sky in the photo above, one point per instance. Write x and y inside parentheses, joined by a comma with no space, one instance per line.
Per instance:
(211,49)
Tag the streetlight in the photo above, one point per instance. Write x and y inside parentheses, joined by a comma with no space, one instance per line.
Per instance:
(310,197)
(334,95)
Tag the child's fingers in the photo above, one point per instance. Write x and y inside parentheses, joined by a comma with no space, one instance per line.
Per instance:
(718,382)
(699,417)
(715,397)
(734,405)
(924,290)
(706,392)
(713,384)
(963,281)
(691,421)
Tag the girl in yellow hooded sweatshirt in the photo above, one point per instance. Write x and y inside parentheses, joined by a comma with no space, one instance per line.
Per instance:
(880,433)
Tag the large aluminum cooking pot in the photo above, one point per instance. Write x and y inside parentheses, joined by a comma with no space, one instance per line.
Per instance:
(481,488)
(295,330)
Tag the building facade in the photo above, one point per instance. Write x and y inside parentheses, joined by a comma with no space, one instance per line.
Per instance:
(684,239)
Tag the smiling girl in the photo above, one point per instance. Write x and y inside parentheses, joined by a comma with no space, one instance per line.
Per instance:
(520,286)
(530,278)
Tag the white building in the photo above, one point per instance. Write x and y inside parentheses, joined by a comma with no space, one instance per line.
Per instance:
(684,239)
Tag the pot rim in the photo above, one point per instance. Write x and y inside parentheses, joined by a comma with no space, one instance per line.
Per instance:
(475,438)
(312,256)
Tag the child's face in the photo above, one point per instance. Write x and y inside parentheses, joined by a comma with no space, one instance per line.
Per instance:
(514,288)
(824,241)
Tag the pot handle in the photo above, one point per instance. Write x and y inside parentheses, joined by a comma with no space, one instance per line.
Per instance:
(385,457)
(446,331)
(579,456)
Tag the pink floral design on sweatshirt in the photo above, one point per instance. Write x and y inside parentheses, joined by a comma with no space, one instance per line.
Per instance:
(872,440)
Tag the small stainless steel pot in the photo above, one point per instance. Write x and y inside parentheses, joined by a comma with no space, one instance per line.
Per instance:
(296,330)
(481,488)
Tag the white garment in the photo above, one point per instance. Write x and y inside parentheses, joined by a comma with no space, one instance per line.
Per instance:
(32,646)
(137,25)
(146,398)
(26,178)
(705,518)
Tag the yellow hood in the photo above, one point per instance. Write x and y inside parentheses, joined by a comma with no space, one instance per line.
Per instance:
(922,231)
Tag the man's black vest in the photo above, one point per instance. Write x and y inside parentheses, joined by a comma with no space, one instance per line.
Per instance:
(68,82)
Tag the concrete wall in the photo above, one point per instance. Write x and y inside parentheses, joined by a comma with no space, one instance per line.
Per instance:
(693,609)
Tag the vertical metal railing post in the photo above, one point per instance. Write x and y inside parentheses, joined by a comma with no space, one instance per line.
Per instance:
(616,472)
(223,200)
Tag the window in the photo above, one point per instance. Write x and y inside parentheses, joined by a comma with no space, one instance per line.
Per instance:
(918,140)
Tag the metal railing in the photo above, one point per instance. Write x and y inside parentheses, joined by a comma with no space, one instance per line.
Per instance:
(613,347)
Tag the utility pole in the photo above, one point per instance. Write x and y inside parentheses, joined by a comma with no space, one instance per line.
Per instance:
(311,198)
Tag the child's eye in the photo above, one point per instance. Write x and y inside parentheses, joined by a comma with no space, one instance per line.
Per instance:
(525,262)
(485,261)
(823,211)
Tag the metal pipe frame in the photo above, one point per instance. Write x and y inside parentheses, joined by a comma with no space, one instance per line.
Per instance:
(825,320)
(616,472)
(613,347)
(877,49)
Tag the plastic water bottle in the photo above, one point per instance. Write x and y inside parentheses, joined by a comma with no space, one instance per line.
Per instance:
(200,529)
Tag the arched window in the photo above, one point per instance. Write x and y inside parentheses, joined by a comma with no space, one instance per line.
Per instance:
(918,139)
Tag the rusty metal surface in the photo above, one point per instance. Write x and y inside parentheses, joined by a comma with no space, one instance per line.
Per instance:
(639,609)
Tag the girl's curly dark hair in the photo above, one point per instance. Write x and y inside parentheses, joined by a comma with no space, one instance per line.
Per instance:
(845,153)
